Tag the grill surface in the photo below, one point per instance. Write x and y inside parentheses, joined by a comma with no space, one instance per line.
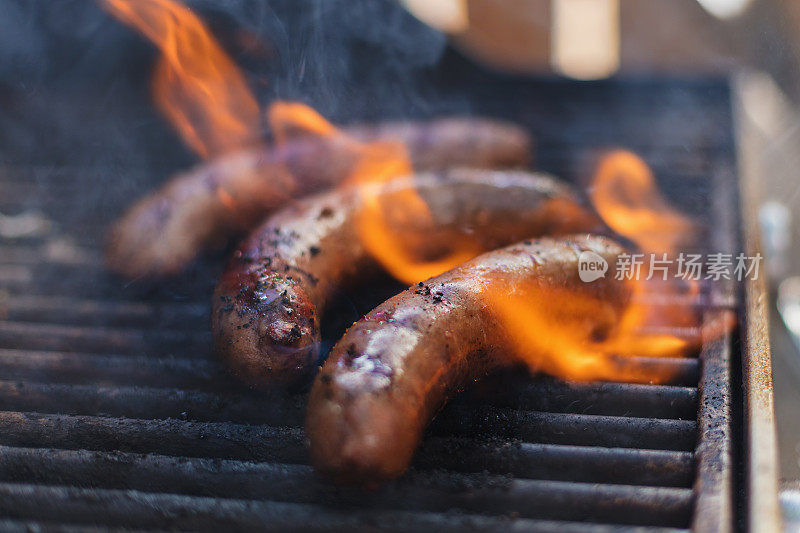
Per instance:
(115,413)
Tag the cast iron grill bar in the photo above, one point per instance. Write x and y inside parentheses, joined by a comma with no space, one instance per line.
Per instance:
(95,289)
(81,237)
(71,311)
(110,369)
(191,344)
(166,437)
(462,420)
(285,445)
(617,399)
(714,454)
(148,510)
(522,460)
(19,526)
(42,367)
(156,342)
(585,430)
(714,483)
(560,462)
(85,276)
(429,490)
(53,252)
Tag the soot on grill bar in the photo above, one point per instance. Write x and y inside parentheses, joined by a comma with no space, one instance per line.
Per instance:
(398,265)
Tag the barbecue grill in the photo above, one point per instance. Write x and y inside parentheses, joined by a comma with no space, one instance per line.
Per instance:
(115,412)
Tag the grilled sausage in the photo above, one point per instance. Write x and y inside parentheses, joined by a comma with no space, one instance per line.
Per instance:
(204,207)
(394,369)
(267,305)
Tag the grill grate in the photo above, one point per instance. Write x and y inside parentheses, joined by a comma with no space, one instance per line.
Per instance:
(114,412)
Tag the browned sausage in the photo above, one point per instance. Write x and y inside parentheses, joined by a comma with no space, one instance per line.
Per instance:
(204,207)
(267,305)
(395,368)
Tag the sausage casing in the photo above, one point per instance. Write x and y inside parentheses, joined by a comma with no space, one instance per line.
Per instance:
(267,305)
(395,368)
(204,207)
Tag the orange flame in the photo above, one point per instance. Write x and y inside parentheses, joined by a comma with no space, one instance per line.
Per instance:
(195,84)
(625,194)
(555,331)
(544,324)
(378,225)
(287,119)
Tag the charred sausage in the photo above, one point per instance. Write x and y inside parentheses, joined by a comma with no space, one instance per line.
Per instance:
(394,369)
(204,207)
(267,305)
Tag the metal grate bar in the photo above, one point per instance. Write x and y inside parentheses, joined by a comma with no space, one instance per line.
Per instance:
(560,462)
(647,401)
(285,445)
(143,402)
(156,342)
(584,430)
(73,311)
(542,394)
(144,510)
(430,490)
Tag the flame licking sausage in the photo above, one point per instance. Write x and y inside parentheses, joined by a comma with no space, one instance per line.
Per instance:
(229,195)
(267,306)
(395,368)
